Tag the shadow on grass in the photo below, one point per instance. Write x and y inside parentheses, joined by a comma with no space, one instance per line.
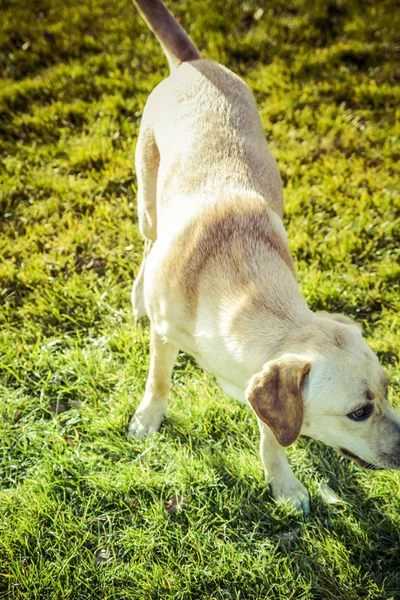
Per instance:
(359,528)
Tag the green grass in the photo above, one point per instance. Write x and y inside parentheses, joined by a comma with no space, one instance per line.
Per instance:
(82,510)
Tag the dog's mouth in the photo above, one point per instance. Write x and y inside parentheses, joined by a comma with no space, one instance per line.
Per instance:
(360,462)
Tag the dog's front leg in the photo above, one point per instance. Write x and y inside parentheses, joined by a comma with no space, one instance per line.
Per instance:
(284,484)
(148,416)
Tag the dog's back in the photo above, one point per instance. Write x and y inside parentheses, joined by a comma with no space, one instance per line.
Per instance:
(207,131)
(211,143)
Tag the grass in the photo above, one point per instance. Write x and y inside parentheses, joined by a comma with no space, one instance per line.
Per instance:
(82,510)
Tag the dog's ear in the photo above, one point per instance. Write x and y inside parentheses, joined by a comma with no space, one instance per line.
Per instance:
(275,395)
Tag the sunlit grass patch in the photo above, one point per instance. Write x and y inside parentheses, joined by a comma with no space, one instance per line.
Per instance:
(82,509)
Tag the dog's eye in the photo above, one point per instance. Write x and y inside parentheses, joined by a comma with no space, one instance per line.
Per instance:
(361,413)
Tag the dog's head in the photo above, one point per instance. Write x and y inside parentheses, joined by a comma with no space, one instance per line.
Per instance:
(329,385)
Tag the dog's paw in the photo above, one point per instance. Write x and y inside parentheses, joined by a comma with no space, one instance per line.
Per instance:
(146,421)
(293,492)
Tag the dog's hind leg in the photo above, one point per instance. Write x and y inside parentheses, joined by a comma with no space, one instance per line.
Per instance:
(137,295)
(147,163)
(148,416)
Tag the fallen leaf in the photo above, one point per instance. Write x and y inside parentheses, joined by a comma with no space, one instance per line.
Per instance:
(16,416)
(174,504)
(329,496)
(70,440)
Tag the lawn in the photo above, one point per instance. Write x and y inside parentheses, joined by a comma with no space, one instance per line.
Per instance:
(84,512)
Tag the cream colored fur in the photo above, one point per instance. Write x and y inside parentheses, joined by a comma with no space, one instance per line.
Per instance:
(218,282)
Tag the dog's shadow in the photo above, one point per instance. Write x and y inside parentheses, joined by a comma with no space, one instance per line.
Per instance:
(366,531)
(358,525)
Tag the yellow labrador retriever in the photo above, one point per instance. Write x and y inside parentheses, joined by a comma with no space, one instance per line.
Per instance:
(218,280)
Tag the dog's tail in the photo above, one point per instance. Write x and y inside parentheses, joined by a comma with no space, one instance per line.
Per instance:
(175,42)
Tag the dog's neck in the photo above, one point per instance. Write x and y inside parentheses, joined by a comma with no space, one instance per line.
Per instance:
(260,327)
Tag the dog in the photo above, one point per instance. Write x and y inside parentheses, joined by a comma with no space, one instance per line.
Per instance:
(218,280)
